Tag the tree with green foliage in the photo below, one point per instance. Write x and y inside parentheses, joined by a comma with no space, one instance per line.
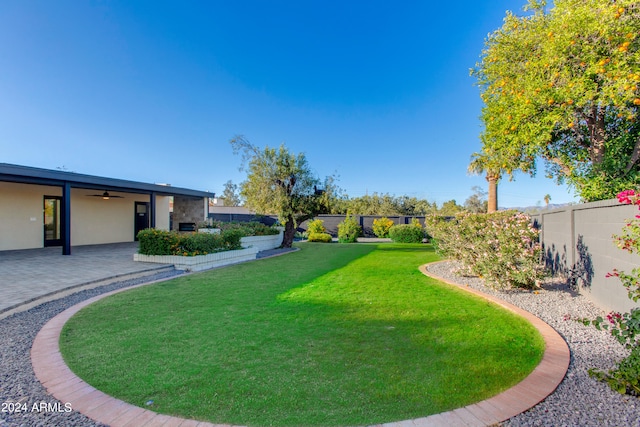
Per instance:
(483,163)
(386,205)
(450,208)
(280,182)
(561,84)
(476,203)
(231,194)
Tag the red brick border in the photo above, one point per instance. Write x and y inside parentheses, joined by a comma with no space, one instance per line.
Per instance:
(65,386)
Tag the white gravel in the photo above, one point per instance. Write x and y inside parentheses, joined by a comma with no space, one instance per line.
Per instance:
(24,400)
(579,400)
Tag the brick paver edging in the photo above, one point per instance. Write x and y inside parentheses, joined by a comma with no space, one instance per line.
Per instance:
(64,385)
(540,383)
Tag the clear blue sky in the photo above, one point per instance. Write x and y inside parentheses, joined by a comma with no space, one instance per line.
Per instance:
(376,92)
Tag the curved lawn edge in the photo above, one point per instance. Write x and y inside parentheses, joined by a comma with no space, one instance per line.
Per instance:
(51,370)
(539,384)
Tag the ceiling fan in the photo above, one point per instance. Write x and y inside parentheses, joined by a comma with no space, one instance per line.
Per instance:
(105,196)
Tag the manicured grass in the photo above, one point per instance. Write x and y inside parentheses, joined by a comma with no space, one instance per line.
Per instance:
(331,335)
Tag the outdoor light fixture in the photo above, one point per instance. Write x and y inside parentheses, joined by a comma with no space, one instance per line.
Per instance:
(105,195)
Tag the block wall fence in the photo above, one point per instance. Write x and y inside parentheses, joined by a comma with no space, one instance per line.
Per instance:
(366,222)
(578,244)
(330,221)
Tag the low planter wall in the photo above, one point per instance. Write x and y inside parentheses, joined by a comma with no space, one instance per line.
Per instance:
(251,246)
(209,230)
(263,243)
(201,262)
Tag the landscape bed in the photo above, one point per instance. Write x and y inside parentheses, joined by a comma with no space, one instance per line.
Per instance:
(330,335)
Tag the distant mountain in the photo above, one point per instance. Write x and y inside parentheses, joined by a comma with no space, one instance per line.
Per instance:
(537,209)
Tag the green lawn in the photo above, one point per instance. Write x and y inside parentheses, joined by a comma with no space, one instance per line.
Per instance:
(330,335)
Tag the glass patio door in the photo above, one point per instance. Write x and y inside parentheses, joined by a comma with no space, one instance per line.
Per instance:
(52,231)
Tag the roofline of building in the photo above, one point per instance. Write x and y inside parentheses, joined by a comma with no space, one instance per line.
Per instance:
(32,175)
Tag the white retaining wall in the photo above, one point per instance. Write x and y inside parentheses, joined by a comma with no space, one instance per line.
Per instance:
(251,246)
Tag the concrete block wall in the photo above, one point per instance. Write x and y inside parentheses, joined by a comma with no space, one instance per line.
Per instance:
(578,244)
(366,222)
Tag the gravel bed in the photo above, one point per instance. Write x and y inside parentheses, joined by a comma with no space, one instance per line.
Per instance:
(19,387)
(579,400)
(18,383)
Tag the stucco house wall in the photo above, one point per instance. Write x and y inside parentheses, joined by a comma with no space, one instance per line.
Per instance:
(162,212)
(90,209)
(95,221)
(21,214)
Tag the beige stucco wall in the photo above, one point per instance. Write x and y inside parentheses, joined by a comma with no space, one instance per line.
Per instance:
(162,212)
(93,220)
(21,214)
(96,221)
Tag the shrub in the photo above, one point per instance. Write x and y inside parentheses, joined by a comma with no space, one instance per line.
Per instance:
(381,226)
(349,230)
(625,377)
(406,233)
(252,228)
(231,239)
(316,227)
(320,237)
(199,244)
(162,242)
(157,242)
(501,247)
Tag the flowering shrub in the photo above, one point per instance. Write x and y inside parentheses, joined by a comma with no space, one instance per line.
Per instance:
(381,226)
(625,327)
(349,230)
(406,233)
(501,247)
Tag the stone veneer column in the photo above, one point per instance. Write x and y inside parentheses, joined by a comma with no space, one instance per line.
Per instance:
(188,209)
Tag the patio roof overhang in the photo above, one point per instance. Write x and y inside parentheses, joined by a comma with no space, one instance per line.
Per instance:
(67,180)
(31,175)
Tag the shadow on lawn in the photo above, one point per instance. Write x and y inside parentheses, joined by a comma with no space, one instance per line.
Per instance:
(406,247)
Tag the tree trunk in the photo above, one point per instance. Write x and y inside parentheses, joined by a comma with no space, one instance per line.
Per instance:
(635,156)
(492,202)
(597,129)
(289,233)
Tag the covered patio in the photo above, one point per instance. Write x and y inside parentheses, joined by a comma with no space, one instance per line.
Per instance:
(33,276)
(43,207)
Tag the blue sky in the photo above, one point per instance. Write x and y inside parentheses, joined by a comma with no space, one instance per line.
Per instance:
(378,93)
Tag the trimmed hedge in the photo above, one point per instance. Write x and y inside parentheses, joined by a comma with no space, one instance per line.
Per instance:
(320,237)
(252,228)
(406,233)
(162,242)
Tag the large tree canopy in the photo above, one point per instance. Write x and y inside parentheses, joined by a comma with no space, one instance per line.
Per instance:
(231,195)
(384,205)
(280,182)
(562,85)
